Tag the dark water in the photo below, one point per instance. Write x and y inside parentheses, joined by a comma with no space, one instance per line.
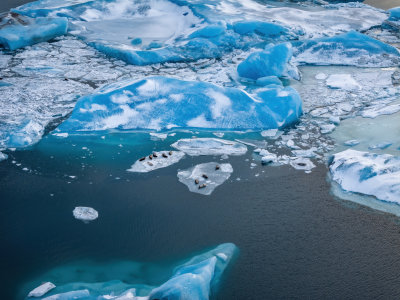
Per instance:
(295,239)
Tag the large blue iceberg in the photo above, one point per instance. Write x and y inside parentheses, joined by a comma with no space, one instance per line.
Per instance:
(161,103)
(196,279)
(274,61)
(18,31)
(142,32)
(394,14)
(352,48)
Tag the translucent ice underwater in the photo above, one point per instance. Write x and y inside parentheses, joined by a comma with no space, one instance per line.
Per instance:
(196,278)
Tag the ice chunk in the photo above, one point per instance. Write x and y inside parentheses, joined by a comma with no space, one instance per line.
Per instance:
(268,157)
(79,294)
(204,178)
(158,136)
(368,173)
(159,103)
(3,156)
(209,146)
(156,160)
(352,143)
(270,133)
(342,81)
(352,48)
(41,290)
(374,111)
(18,31)
(394,14)
(85,214)
(380,146)
(271,62)
(268,80)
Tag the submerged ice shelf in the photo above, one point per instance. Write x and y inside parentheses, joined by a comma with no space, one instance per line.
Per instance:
(194,279)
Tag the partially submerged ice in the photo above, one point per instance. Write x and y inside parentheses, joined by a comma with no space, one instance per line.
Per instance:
(352,49)
(156,160)
(41,290)
(366,173)
(3,156)
(195,279)
(18,31)
(85,214)
(161,103)
(209,146)
(204,178)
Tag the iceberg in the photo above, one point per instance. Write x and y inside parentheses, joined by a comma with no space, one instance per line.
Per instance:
(18,31)
(162,103)
(41,290)
(367,173)
(352,49)
(263,30)
(204,178)
(394,14)
(209,146)
(156,160)
(195,279)
(273,61)
(85,214)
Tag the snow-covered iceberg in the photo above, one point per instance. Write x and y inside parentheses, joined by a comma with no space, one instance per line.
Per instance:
(352,48)
(156,160)
(273,61)
(204,178)
(161,103)
(368,173)
(195,279)
(18,31)
(209,146)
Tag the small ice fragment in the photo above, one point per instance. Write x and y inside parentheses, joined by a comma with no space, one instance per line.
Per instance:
(72,176)
(3,156)
(219,134)
(269,133)
(309,153)
(209,146)
(321,76)
(335,120)
(380,146)
(269,158)
(25,169)
(158,136)
(197,183)
(41,290)
(351,143)
(85,214)
(61,134)
(161,159)
(327,128)
(302,163)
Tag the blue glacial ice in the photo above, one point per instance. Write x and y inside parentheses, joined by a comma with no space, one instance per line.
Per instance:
(161,103)
(368,173)
(195,279)
(352,49)
(274,61)
(18,31)
(394,14)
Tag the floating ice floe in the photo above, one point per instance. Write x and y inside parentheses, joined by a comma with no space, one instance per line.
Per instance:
(41,290)
(380,146)
(195,279)
(342,81)
(352,48)
(273,61)
(209,146)
(163,103)
(204,178)
(18,31)
(85,214)
(368,173)
(156,160)
(351,143)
